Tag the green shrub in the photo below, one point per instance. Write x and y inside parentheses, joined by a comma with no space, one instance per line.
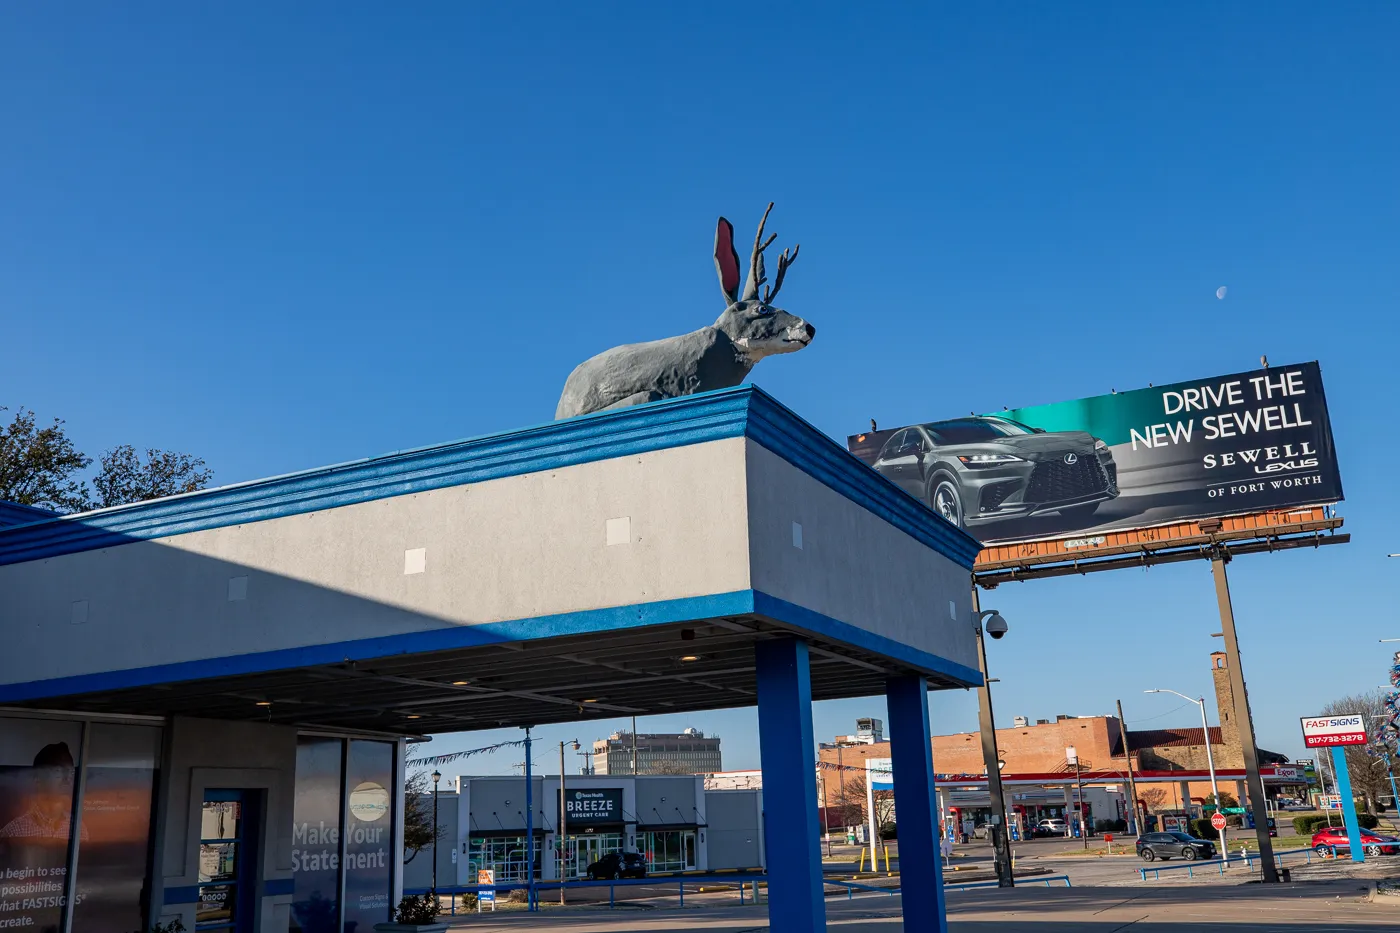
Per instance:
(1202,829)
(423,908)
(1307,825)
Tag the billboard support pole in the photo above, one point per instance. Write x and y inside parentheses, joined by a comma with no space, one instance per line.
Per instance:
(1001,835)
(1244,722)
(1339,767)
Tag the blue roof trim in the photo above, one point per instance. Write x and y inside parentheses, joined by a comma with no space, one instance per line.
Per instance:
(786,434)
(780,610)
(640,615)
(13,513)
(693,419)
(739,602)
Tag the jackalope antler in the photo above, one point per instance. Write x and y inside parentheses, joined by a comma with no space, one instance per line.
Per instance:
(756,273)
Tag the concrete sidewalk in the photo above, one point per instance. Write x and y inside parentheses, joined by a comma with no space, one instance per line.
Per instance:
(1316,907)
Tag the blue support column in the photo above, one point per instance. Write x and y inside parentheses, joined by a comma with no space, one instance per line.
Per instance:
(920,865)
(796,903)
(1339,768)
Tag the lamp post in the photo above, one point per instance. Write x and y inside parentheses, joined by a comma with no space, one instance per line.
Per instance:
(563,844)
(437,776)
(994,625)
(1210,763)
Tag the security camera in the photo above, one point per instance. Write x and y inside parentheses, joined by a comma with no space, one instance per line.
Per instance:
(996,626)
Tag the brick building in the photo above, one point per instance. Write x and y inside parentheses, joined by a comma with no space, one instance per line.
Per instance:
(1039,748)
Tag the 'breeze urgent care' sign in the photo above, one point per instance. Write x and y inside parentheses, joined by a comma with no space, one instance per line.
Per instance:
(1326,731)
(603,805)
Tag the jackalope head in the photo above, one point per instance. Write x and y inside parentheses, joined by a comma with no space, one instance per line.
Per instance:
(756,327)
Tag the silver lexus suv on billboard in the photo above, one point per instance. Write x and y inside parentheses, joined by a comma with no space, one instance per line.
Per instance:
(982,469)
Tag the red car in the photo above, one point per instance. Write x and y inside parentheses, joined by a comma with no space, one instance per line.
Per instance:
(1335,839)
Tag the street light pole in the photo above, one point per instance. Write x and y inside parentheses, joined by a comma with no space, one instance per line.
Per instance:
(1210,763)
(1001,830)
(437,776)
(563,844)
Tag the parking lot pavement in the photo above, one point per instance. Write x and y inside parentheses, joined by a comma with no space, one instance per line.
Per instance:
(1315,907)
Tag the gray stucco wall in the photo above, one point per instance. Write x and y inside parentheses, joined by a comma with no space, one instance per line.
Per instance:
(670,800)
(418,873)
(734,837)
(852,565)
(204,754)
(340,574)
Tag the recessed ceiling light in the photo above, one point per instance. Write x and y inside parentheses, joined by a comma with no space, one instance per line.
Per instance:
(414,716)
(689,657)
(591,700)
(263,703)
(460,683)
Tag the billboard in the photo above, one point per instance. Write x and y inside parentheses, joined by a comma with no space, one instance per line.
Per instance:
(1227,445)
(1327,731)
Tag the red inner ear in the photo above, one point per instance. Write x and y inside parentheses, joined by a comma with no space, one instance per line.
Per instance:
(726,258)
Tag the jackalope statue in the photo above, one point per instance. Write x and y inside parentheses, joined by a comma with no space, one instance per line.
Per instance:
(713,357)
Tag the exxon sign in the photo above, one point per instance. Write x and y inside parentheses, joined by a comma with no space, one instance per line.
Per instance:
(1326,731)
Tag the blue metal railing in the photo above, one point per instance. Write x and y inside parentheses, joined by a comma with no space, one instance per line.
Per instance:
(1220,864)
(740,878)
(853,886)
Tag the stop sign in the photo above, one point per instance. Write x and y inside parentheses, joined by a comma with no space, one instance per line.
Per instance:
(1218,821)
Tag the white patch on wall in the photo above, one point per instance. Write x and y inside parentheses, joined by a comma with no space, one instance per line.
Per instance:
(952,610)
(797,536)
(80,612)
(415,560)
(237,589)
(618,530)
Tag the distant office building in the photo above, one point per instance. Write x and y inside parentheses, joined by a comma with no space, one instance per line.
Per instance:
(751,779)
(688,752)
(868,732)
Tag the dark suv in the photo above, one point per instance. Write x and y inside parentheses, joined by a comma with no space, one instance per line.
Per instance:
(982,469)
(616,865)
(1152,846)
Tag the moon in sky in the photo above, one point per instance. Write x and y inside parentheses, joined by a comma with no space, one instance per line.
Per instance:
(1220,292)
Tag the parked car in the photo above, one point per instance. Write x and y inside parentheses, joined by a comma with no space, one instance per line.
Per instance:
(1164,846)
(616,865)
(974,470)
(1053,826)
(1334,839)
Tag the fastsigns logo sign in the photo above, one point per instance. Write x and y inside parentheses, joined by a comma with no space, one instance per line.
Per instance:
(1330,731)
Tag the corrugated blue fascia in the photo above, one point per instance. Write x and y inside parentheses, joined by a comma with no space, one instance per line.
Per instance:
(694,419)
(13,513)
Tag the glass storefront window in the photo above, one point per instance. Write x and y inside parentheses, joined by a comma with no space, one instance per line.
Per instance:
(503,854)
(369,833)
(118,800)
(585,849)
(38,761)
(343,834)
(316,836)
(669,850)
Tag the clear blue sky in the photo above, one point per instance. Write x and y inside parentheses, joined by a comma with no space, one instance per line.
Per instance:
(280,236)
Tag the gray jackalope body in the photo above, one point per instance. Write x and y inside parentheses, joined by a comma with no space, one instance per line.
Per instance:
(714,357)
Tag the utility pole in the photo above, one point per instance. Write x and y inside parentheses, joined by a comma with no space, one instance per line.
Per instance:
(1083,813)
(529,828)
(826,810)
(1243,720)
(563,843)
(1001,830)
(1132,785)
(634,746)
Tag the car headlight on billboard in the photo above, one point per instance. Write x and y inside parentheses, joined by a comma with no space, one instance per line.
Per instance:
(986,460)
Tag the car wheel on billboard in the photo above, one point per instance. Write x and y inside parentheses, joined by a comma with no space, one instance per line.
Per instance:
(944,499)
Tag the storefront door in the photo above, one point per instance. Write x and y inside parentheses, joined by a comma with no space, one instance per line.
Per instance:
(228,859)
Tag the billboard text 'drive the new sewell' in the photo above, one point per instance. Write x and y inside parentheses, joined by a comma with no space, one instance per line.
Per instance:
(1226,445)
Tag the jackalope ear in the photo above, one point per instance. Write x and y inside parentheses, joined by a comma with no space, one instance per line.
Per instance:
(727,260)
